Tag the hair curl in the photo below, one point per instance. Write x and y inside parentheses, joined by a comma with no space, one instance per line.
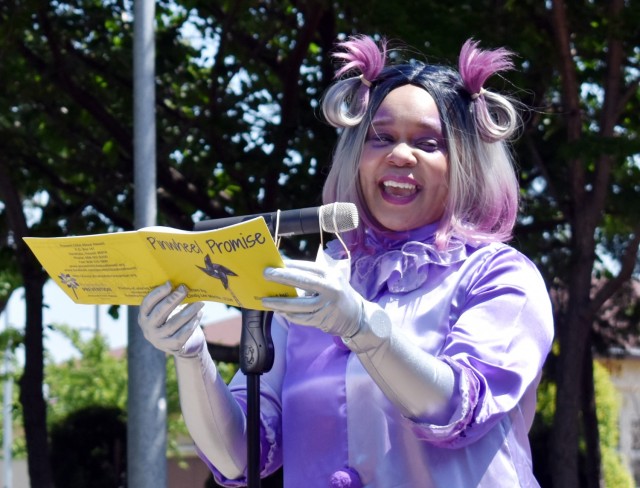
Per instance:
(362,55)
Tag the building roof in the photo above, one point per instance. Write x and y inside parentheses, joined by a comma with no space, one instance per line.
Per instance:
(224,332)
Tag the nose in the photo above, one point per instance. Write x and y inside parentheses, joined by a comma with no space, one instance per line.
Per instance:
(402,155)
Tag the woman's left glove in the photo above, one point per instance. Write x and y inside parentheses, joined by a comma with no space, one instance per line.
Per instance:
(329,303)
(416,381)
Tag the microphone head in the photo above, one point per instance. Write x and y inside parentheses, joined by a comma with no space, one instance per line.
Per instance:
(339,217)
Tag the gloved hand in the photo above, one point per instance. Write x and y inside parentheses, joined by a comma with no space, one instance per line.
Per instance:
(171,329)
(417,382)
(215,420)
(330,303)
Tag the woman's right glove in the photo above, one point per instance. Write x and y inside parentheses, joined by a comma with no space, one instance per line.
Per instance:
(171,329)
(214,419)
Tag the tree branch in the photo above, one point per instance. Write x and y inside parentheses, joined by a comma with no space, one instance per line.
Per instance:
(570,96)
(612,286)
(613,84)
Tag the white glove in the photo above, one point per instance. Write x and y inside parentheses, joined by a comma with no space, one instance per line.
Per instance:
(214,419)
(330,303)
(421,385)
(171,329)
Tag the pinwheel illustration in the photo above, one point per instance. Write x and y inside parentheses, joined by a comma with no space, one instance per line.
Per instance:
(219,272)
(70,281)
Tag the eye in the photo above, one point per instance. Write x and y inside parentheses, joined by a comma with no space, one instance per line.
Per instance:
(428,145)
(379,138)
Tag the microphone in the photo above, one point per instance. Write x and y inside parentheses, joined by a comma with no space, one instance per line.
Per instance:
(333,217)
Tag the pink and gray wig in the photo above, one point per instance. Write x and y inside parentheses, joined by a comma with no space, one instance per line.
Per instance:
(477,124)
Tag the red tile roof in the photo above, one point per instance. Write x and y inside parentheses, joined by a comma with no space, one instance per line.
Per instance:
(224,332)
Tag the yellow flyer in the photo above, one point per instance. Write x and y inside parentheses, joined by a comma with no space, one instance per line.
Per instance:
(223,265)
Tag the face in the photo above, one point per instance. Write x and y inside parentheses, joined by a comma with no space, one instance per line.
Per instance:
(403,168)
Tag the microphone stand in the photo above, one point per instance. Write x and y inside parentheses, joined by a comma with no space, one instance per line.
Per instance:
(256,346)
(256,357)
(256,351)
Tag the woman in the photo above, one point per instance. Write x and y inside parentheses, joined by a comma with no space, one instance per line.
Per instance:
(413,357)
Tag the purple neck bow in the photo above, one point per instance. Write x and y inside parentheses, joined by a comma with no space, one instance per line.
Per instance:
(399,260)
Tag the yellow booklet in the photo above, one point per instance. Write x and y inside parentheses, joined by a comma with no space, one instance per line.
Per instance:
(223,265)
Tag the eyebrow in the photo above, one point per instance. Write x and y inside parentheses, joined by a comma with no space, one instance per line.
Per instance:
(432,123)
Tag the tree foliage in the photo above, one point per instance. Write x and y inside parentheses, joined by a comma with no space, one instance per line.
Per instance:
(91,377)
(95,377)
(608,401)
(89,448)
(615,473)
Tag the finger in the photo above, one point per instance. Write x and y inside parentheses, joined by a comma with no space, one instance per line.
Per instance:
(185,316)
(308,266)
(301,318)
(165,307)
(177,341)
(294,268)
(154,296)
(303,305)
(296,278)
(317,318)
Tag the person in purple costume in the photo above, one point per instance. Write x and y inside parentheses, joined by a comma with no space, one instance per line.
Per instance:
(413,356)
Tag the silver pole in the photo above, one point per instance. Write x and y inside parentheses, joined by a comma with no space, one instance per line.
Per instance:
(147,412)
(7,419)
(97,320)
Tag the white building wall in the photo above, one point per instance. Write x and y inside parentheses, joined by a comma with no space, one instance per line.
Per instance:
(625,375)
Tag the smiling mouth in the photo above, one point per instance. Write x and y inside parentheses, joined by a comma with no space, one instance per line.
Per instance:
(398,189)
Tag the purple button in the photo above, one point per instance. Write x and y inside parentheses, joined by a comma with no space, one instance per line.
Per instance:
(345,478)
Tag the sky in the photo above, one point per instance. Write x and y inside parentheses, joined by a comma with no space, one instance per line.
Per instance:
(60,309)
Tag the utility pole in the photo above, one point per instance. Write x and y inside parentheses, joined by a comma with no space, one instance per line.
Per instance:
(7,417)
(147,405)
(97,320)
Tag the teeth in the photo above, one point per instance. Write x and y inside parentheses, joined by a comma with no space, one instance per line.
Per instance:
(397,184)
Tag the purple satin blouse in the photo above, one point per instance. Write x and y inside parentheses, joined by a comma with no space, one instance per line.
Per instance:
(484,310)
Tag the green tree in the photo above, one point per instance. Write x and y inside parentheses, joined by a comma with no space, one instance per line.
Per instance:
(238,84)
(89,448)
(607,398)
(89,386)
(90,377)
(608,402)
(66,145)
(583,145)
(98,378)
(33,107)
(579,173)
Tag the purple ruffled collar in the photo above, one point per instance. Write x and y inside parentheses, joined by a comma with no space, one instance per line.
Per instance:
(396,261)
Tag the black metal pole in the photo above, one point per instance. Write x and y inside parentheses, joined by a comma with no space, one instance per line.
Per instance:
(256,357)
(253,430)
